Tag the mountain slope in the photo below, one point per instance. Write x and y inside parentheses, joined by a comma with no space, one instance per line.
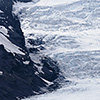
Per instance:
(19,75)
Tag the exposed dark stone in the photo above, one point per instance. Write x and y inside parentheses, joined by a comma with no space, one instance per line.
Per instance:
(50,68)
(36,42)
(33,50)
(18,80)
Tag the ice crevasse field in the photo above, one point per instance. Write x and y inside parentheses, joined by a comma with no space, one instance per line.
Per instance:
(68,31)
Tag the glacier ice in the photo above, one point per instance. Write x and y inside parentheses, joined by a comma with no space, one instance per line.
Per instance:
(70,34)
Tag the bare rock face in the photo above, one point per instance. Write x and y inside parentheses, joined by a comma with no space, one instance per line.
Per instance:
(19,75)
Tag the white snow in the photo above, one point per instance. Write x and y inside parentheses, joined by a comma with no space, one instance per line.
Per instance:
(10,27)
(1,11)
(1,73)
(46,81)
(10,47)
(4,31)
(26,62)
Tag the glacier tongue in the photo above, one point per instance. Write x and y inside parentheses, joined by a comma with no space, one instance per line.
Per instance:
(70,34)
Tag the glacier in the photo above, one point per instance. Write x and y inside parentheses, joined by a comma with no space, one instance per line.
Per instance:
(68,32)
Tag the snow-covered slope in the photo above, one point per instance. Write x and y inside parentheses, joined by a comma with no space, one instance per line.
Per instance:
(10,47)
(69,32)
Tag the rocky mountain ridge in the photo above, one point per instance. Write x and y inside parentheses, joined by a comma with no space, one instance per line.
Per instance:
(19,75)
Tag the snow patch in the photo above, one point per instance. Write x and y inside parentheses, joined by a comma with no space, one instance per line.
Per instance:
(26,62)
(10,27)
(46,81)
(10,47)
(4,31)
(1,73)
(1,11)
